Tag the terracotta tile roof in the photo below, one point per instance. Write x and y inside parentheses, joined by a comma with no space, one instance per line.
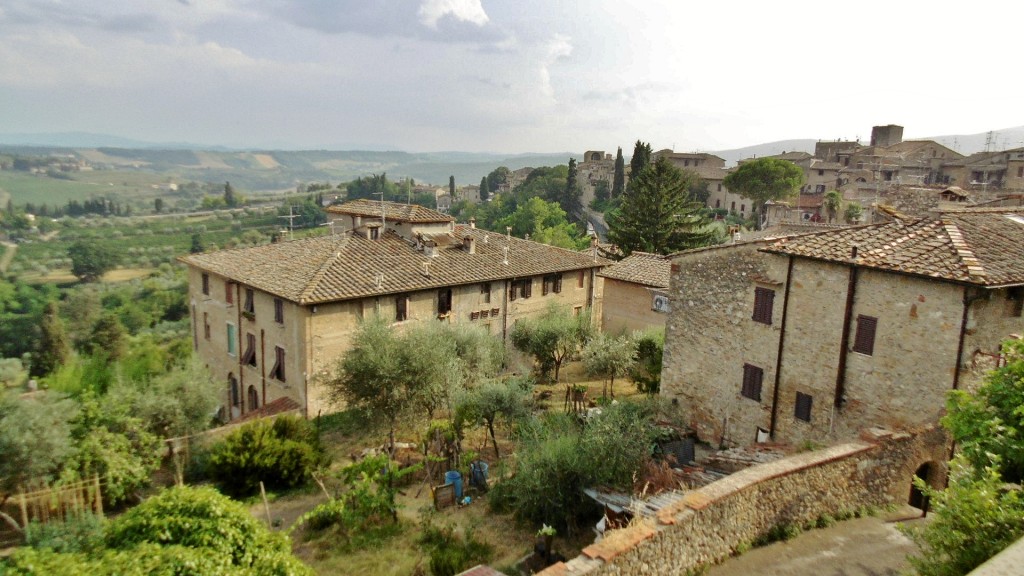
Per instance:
(273,408)
(481,570)
(641,268)
(983,247)
(392,210)
(345,266)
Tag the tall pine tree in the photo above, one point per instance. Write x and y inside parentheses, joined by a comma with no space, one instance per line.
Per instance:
(656,214)
(451,187)
(640,160)
(485,190)
(619,180)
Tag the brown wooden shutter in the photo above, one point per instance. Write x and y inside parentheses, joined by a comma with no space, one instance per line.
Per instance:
(764,300)
(864,341)
(753,376)
(802,409)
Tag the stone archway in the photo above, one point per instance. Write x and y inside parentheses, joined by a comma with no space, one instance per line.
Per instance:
(928,473)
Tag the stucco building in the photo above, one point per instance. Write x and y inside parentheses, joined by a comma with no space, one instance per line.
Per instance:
(270,320)
(635,293)
(813,338)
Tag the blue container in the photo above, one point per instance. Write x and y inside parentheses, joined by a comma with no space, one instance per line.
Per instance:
(453,477)
(478,470)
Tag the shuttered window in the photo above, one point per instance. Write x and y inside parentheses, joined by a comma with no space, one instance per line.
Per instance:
(278,310)
(250,350)
(802,410)
(206,284)
(278,371)
(864,341)
(752,378)
(764,299)
(527,288)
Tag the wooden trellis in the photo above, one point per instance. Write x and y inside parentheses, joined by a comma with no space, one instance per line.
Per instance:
(55,503)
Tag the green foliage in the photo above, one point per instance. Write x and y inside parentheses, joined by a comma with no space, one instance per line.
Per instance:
(81,532)
(782,532)
(988,425)
(108,338)
(553,337)
(220,531)
(53,348)
(765,179)
(558,460)
(90,261)
(609,357)
(283,454)
(231,198)
(35,439)
(619,178)
(646,373)
(641,160)
(173,404)
(656,214)
(853,212)
(973,519)
(112,443)
(366,512)
(544,222)
(497,178)
(451,554)
(492,402)
(832,202)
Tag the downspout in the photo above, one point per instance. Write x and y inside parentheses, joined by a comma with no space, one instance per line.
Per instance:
(968,300)
(778,359)
(844,344)
(242,396)
(263,364)
(504,311)
(311,362)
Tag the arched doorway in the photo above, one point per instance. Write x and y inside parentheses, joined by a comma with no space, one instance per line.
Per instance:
(918,499)
(234,397)
(254,398)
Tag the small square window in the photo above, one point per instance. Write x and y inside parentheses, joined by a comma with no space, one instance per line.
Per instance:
(864,341)
(802,410)
(278,310)
(1015,301)
(764,299)
(753,376)
(206,284)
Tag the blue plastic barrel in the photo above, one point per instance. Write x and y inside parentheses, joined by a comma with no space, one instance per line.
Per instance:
(453,477)
(479,470)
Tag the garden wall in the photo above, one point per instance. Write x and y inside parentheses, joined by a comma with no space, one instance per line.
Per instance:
(708,525)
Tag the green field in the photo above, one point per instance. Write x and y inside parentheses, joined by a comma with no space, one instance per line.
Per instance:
(38,189)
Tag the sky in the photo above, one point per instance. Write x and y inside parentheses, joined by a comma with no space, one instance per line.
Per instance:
(508,76)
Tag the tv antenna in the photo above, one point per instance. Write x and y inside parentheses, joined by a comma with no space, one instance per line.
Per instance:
(291,220)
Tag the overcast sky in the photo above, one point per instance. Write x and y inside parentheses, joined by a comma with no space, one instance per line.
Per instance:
(509,75)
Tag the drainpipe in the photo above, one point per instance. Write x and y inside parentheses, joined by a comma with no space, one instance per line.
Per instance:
(778,359)
(844,345)
(504,311)
(263,364)
(968,300)
(242,396)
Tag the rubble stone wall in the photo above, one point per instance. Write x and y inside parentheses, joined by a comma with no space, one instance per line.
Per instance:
(709,524)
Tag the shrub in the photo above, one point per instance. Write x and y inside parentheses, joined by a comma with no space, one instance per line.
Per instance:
(80,533)
(449,553)
(283,454)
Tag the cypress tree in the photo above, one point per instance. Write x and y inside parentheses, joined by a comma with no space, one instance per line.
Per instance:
(53,349)
(619,180)
(640,160)
(485,190)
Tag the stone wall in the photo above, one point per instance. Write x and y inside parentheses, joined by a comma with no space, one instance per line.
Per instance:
(708,525)
(628,306)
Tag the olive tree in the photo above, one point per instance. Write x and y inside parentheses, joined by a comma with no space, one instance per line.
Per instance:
(553,337)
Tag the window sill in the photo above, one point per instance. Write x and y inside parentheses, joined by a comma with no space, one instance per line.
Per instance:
(249,315)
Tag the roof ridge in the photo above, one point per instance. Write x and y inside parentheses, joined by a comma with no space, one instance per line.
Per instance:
(968,260)
(314,282)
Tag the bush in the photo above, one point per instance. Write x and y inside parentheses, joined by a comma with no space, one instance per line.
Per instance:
(449,553)
(283,454)
(81,533)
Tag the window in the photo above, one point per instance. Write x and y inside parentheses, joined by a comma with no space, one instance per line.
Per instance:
(581,279)
(552,283)
(557,287)
(526,288)
(254,398)
(278,310)
(250,304)
(277,372)
(864,341)
(444,301)
(206,284)
(229,292)
(232,340)
(401,307)
(233,391)
(513,289)
(485,293)
(802,409)
(1020,172)
(752,378)
(719,189)
(1015,301)
(821,172)
(206,325)
(250,350)
(764,299)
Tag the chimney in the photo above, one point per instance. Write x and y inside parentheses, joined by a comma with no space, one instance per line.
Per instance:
(472,223)
(505,250)
(426,268)
(430,248)
(469,244)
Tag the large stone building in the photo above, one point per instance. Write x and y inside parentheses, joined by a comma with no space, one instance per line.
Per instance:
(271,320)
(813,338)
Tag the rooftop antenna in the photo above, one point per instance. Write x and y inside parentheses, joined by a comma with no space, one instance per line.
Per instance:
(379,278)
(291,220)
(383,212)
(505,250)
(329,223)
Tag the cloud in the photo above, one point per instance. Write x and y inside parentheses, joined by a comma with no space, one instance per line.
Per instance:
(463,10)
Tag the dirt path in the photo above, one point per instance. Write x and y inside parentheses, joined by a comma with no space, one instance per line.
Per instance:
(870,546)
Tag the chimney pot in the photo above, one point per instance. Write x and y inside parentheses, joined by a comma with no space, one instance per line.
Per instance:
(469,243)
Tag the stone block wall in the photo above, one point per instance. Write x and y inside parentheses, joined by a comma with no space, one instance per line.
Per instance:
(708,525)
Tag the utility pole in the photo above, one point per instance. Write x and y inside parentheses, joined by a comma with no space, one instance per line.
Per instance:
(291,220)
